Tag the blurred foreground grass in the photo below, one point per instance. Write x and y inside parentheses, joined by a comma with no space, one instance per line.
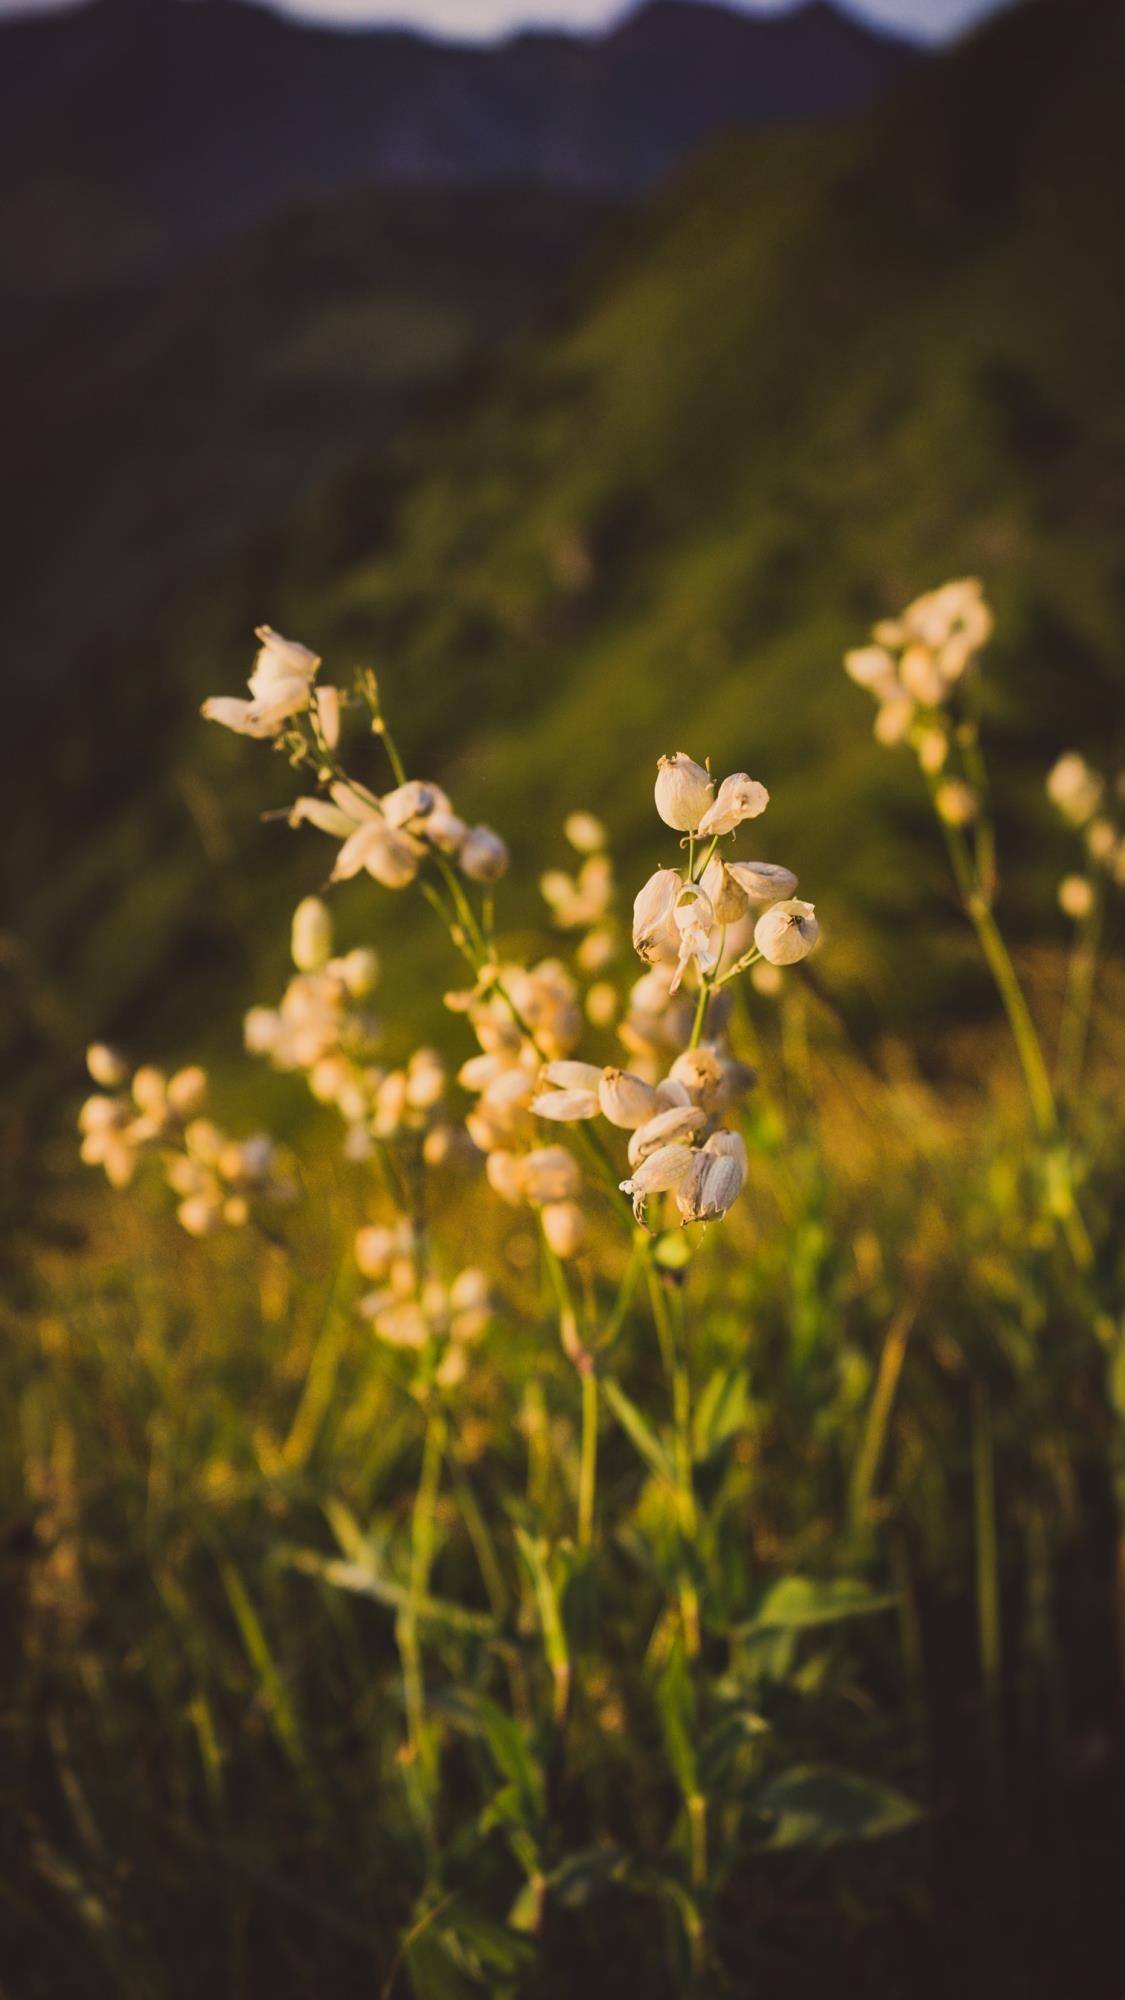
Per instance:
(207,1739)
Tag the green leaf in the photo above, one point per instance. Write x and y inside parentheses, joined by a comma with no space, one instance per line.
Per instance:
(364,1580)
(798,1603)
(639,1431)
(675,1701)
(485,1719)
(722,1411)
(819,1806)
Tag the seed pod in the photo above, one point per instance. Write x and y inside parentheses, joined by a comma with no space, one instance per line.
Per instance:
(731,1146)
(654,929)
(680,1121)
(762,881)
(311,935)
(683,791)
(738,798)
(722,891)
(482,855)
(409,803)
(564,1226)
(626,1100)
(713,1185)
(786,932)
(551,1174)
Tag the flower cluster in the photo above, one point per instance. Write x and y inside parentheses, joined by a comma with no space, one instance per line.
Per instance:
(1085,801)
(218,1180)
(914,664)
(413,1310)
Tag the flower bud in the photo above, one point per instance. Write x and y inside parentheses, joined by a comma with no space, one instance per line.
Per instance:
(328,715)
(956,802)
(654,929)
(187,1091)
(105,1066)
(683,791)
(920,675)
(551,1174)
(564,1227)
(893,720)
(505,1175)
(704,1077)
(1076,896)
(626,1100)
(359,970)
(199,1215)
(1075,789)
(565,1107)
(585,832)
(786,932)
(311,935)
(738,798)
(482,855)
(150,1090)
(260,1029)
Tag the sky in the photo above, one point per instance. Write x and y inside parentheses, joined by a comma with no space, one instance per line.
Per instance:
(484,20)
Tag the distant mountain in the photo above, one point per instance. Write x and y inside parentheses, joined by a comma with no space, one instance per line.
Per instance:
(135,131)
(835,367)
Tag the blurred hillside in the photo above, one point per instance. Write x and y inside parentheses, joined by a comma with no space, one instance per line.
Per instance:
(235,250)
(836,366)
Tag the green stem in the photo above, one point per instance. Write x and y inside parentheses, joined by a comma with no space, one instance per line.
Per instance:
(673,1348)
(1081,975)
(988,1561)
(588,1468)
(423,1745)
(700,1021)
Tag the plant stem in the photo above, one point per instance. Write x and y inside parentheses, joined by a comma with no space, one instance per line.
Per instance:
(700,1020)
(422,1536)
(673,1348)
(588,1468)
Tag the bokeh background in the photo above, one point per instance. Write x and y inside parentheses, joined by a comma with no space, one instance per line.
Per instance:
(597,375)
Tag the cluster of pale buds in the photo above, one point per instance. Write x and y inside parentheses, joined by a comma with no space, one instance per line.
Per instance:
(1082,796)
(214,1176)
(584,901)
(281,687)
(674,1131)
(914,663)
(410,1309)
(389,837)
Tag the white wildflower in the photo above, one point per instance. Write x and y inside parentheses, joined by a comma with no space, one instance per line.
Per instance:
(280,688)
(738,798)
